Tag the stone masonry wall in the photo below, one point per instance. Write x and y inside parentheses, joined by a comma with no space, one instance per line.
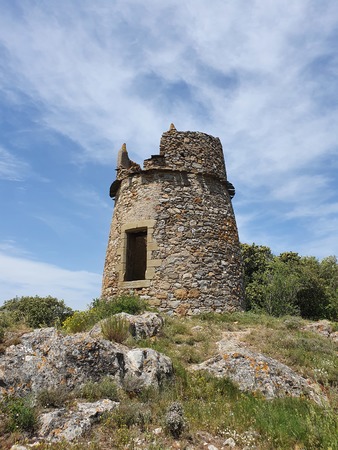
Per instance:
(194,152)
(193,253)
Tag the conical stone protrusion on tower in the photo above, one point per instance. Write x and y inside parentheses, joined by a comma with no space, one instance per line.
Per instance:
(173,236)
(123,158)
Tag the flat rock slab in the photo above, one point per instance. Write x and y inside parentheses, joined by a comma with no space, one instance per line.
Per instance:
(62,424)
(47,359)
(254,372)
(324,328)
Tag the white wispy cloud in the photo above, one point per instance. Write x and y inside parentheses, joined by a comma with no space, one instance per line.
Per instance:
(323,240)
(315,210)
(87,80)
(302,188)
(86,197)
(10,247)
(11,167)
(259,75)
(21,276)
(61,225)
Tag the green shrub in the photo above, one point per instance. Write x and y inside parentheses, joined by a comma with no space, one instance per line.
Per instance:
(36,311)
(20,414)
(7,318)
(292,323)
(115,328)
(290,283)
(129,414)
(106,388)
(130,304)
(276,290)
(53,398)
(80,321)
(175,422)
(102,309)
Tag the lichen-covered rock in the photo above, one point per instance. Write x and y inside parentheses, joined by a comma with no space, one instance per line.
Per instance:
(334,336)
(46,359)
(145,325)
(18,447)
(62,424)
(254,372)
(141,326)
(322,327)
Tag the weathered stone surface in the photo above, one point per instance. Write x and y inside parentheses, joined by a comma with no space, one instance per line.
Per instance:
(229,443)
(183,309)
(46,359)
(142,326)
(181,293)
(254,372)
(18,447)
(181,199)
(62,424)
(322,327)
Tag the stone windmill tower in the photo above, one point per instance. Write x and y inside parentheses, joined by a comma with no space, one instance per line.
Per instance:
(173,237)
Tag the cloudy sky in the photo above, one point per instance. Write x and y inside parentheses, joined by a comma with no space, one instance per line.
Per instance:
(80,77)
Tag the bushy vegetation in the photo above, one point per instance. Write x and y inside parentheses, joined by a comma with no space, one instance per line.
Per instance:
(115,328)
(35,311)
(54,398)
(175,422)
(290,284)
(92,391)
(20,415)
(102,309)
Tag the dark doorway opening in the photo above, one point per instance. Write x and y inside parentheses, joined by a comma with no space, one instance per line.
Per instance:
(136,261)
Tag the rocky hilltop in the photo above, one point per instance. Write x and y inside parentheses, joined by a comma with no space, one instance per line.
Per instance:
(47,359)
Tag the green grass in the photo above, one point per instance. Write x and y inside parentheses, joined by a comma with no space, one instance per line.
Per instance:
(183,343)
(20,414)
(54,398)
(102,309)
(240,319)
(92,391)
(115,328)
(215,405)
(312,355)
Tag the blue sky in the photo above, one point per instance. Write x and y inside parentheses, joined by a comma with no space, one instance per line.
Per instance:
(79,77)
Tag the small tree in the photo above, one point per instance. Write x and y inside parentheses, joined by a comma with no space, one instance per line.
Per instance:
(281,290)
(312,297)
(37,311)
(256,261)
(329,274)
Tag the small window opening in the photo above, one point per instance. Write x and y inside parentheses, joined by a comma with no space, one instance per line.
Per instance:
(136,260)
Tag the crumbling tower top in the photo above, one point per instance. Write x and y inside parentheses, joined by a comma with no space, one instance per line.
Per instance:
(182,151)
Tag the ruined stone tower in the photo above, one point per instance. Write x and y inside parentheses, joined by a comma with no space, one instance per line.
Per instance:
(173,237)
